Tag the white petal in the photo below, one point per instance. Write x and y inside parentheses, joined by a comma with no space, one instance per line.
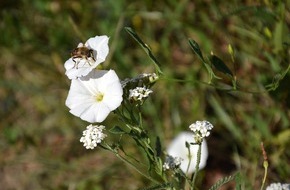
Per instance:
(96,112)
(69,64)
(177,148)
(100,45)
(75,70)
(83,91)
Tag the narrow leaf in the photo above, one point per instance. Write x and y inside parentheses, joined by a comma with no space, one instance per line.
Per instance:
(238,181)
(158,147)
(145,47)
(220,65)
(195,47)
(117,130)
(222,181)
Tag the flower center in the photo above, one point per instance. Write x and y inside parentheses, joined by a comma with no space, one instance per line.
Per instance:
(99,97)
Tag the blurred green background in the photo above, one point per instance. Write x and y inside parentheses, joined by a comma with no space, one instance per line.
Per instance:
(39,138)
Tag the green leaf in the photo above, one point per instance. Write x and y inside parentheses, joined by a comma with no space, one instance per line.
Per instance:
(158,147)
(117,130)
(222,181)
(145,47)
(220,65)
(195,47)
(277,79)
(238,181)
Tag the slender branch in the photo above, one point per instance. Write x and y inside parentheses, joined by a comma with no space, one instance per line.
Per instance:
(197,166)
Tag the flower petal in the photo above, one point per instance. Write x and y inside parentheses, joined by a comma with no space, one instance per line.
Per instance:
(78,69)
(82,98)
(177,148)
(100,45)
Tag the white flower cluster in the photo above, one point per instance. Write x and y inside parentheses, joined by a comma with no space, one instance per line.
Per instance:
(172,162)
(201,129)
(278,186)
(139,93)
(93,93)
(92,136)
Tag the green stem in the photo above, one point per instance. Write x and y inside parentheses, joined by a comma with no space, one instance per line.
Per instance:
(265,164)
(197,166)
(107,147)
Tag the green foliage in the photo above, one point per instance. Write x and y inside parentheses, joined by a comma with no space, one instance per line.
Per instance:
(225,180)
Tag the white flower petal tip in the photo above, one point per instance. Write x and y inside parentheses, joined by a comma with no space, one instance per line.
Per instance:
(178,149)
(94,96)
(87,57)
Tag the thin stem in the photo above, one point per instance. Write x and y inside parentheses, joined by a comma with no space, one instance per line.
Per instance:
(197,166)
(107,147)
(265,164)
(135,168)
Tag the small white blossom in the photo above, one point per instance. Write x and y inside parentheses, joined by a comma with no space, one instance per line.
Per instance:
(139,93)
(201,129)
(171,162)
(278,186)
(177,148)
(93,97)
(81,66)
(92,136)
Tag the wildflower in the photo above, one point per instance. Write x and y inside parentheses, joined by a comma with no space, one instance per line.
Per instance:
(177,148)
(201,129)
(139,94)
(93,97)
(92,136)
(90,55)
(171,162)
(278,186)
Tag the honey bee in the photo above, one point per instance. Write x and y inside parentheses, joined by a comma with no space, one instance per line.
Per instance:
(82,52)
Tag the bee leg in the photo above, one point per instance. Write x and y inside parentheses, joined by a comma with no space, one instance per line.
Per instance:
(76,64)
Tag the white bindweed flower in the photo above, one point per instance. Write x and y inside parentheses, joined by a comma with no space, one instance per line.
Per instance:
(93,97)
(171,162)
(92,136)
(177,148)
(278,186)
(87,56)
(201,129)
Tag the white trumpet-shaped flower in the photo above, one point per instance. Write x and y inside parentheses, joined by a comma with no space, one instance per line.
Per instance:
(177,148)
(93,97)
(87,56)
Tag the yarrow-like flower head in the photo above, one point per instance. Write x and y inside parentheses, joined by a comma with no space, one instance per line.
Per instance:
(87,56)
(171,162)
(201,129)
(93,97)
(278,186)
(139,94)
(177,149)
(92,136)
